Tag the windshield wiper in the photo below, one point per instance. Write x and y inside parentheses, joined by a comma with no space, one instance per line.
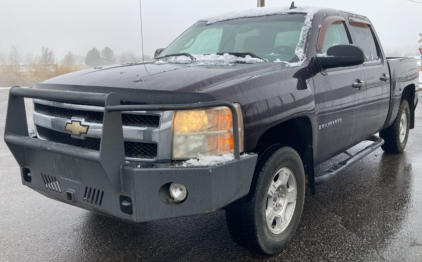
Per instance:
(179,54)
(242,54)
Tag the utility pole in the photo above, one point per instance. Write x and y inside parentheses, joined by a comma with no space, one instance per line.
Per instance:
(261,3)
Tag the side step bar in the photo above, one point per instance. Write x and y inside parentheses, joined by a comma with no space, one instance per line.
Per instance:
(336,169)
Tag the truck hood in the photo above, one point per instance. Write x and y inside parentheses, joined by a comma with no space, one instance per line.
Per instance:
(192,77)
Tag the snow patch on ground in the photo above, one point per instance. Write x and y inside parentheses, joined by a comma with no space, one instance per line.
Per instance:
(420,79)
(210,59)
(209,160)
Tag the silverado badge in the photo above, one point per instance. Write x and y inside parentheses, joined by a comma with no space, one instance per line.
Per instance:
(76,128)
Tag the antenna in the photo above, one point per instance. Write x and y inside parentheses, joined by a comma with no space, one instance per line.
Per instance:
(142,34)
(293,6)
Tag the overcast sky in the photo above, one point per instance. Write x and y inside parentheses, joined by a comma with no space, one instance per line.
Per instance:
(79,25)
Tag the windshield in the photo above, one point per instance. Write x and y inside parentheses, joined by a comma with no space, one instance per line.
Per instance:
(274,38)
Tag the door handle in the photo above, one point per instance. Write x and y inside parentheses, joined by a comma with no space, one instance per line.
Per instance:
(385,77)
(358,84)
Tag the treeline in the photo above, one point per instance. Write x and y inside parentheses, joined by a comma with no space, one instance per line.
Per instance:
(16,69)
(106,57)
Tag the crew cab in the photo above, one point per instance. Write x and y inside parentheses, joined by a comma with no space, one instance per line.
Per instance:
(235,114)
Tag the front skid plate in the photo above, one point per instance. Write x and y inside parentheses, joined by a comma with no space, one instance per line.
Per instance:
(209,188)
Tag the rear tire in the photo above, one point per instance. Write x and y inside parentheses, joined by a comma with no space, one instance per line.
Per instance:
(396,135)
(265,220)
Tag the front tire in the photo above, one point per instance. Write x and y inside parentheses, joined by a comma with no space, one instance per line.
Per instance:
(396,135)
(265,220)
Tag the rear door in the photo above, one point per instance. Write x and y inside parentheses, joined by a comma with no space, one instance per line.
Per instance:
(340,104)
(376,72)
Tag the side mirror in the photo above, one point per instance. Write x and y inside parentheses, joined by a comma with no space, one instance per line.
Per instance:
(158,52)
(341,56)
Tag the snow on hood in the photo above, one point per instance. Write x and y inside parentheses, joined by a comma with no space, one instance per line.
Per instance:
(210,59)
(266,11)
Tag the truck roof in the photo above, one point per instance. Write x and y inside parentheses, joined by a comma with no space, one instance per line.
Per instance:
(266,11)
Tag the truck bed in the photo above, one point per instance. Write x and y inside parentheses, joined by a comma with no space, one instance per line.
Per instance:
(403,71)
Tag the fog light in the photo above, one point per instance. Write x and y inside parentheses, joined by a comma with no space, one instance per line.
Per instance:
(178,192)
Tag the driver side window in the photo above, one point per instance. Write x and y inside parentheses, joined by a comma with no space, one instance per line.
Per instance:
(207,42)
(336,34)
(287,38)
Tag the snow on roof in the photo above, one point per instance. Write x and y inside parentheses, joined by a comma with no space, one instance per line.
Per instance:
(263,11)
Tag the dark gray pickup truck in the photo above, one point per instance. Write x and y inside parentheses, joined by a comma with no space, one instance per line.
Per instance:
(234,114)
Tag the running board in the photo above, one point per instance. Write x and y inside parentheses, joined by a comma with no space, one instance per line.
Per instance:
(336,169)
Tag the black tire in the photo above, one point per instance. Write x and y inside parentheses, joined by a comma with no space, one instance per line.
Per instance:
(391,134)
(246,218)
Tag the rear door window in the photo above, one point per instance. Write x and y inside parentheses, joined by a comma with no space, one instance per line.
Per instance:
(364,38)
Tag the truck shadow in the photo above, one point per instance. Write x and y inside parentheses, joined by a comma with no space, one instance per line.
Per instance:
(372,198)
(355,212)
(200,237)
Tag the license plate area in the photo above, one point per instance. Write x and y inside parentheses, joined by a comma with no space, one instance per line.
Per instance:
(56,169)
(70,179)
(67,190)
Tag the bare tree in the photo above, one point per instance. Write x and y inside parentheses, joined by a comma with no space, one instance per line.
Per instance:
(14,56)
(47,56)
(14,60)
(69,59)
(3,59)
(79,59)
(29,59)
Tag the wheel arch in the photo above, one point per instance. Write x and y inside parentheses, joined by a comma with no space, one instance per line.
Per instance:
(296,133)
(408,94)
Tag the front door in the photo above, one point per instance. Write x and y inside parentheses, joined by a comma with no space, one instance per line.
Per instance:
(340,101)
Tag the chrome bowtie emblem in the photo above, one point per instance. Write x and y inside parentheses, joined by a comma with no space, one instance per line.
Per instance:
(76,128)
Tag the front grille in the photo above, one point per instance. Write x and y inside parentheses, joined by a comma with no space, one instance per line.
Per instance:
(97,117)
(132,149)
(59,137)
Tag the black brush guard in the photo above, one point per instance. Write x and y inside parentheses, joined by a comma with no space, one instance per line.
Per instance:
(106,169)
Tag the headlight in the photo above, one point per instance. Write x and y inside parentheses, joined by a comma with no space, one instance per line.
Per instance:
(205,132)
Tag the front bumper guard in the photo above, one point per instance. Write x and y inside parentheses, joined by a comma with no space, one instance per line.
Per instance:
(101,180)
